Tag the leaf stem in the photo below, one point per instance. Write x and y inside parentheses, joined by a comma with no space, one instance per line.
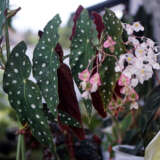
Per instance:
(7,39)
(18,147)
(22,147)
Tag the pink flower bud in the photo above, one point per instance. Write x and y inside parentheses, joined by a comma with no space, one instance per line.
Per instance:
(109,42)
(95,79)
(124,80)
(84,76)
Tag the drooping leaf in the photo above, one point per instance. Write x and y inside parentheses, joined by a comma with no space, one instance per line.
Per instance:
(82,50)
(151,107)
(96,97)
(46,62)
(24,95)
(109,77)
(4,4)
(98,103)
(77,14)
(68,101)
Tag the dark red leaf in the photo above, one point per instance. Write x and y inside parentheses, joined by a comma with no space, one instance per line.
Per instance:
(40,33)
(68,99)
(97,103)
(59,51)
(96,98)
(76,16)
(99,23)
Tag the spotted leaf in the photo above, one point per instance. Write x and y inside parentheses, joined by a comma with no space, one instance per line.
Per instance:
(66,119)
(4,4)
(46,62)
(82,49)
(109,77)
(24,95)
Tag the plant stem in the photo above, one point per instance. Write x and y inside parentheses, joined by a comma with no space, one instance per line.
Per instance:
(7,39)
(116,123)
(18,147)
(22,147)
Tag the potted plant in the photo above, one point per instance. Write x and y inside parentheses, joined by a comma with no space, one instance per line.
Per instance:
(107,61)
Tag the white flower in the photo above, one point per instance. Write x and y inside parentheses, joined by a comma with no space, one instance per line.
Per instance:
(140,51)
(86,95)
(133,40)
(120,64)
(137,27)
(118,68)
(134,82)
(83,84)
(150,43)
(94,88)
(134,105)
(144,73)
(130,58)
(156,66)
(129,29)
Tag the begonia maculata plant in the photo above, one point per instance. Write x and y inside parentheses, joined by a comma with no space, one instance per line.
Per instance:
(105,67)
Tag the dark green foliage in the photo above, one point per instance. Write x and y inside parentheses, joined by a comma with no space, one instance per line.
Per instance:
(66,119)
(109,77)
(24,95)
(151,124)
(81,48)
(45,64)
(4,4)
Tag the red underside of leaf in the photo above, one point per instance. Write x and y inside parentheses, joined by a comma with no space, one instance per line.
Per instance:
(68,99)
(59,51)
(96,98)
(76,16)
(97,103)
(99,23)
(40,33)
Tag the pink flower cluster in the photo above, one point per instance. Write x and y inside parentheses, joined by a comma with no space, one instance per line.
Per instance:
(90,83)
(109,43)
(129,92)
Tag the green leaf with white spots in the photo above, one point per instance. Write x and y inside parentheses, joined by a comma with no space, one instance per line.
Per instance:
(82,49)
(112,23)
(67,119)
(24,95)
(4,4)
(46,62)
(88,106)
(109,77)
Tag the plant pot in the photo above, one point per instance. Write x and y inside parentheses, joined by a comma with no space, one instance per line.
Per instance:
(119,155)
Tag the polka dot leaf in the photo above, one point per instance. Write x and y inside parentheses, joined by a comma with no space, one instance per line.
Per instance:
(109,77)
(4,4)
(24,95)
(112,23)
(46,62)
(67,119)
(82,49)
